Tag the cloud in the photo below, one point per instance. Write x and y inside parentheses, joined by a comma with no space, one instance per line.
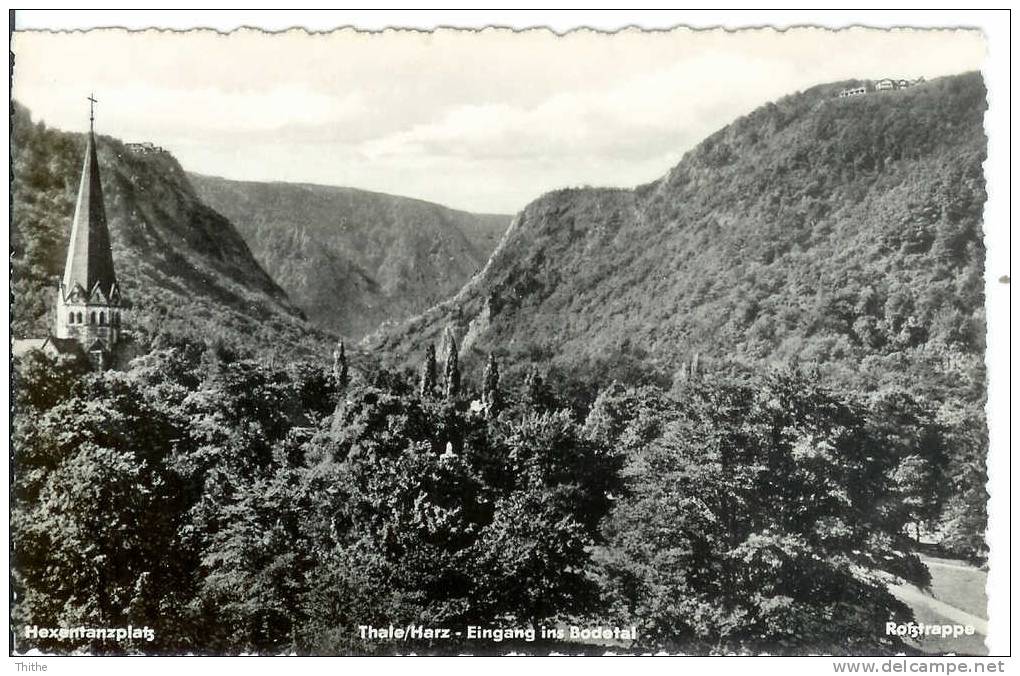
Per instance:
(674,105)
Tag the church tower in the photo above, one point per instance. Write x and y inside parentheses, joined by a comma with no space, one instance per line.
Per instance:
(88,299)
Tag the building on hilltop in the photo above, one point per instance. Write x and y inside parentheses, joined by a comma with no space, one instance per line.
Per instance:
(88,307)
(888,84)
(144,148)
(883,85)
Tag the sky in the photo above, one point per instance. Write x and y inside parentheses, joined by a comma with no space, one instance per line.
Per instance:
(484,121)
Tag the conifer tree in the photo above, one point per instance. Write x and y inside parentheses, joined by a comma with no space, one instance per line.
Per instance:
(452,371)
(428,372)
(340,374)
(490,388)
(537,393)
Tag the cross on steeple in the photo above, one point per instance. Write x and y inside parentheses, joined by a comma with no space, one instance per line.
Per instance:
(92,110)
(88,299)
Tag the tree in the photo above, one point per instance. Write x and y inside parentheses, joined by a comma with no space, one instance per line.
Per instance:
(452,372)
(253,568)
(965,515)
(43,381)
(492,399)
(914,481)
(532,558)
(427,383)
(340,375)
(97,517)
(913,447)
(398,510)
(537,394)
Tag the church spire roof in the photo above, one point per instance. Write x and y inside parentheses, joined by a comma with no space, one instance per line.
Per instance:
(89,258)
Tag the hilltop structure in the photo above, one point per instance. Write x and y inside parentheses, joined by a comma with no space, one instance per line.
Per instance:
(883,85)
(145,148)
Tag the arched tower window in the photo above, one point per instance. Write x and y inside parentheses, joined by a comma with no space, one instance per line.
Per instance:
(79,318)
(102,318)
(70,318)
(92,318)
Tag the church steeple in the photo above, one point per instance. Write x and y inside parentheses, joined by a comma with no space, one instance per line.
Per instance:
(88,300)
(89,259)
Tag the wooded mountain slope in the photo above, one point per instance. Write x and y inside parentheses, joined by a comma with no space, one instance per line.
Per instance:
(845,233)
(183,268)
(353,259)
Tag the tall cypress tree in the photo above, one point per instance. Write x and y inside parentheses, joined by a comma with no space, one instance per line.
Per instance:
(491,399)
(537,392)
(452,371)
(427,387)
(340,374)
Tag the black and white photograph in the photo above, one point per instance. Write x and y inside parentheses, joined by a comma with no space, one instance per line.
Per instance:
(507,340)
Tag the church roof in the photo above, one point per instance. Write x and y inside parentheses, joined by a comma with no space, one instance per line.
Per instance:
(89,259)
(63,345)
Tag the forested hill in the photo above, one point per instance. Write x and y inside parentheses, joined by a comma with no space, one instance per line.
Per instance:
(183,268)
(353,259)
(844,233)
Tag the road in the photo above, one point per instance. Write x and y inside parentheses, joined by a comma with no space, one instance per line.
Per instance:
(953,584)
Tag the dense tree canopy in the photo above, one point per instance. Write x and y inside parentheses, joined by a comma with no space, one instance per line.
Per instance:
(235,506)
(758,518)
